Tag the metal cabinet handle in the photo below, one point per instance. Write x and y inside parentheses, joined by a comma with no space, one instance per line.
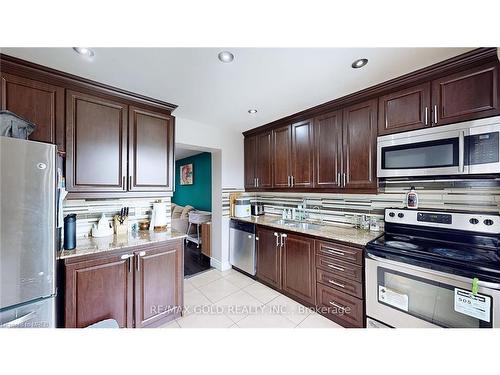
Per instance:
(292,179)
(336,305)
(282,242)
(426,115)
(128,258)
(124,183)
(277,239)
(435,114)
(20,320)
(338,179)
(345,179)
(336,267)
(130,182)
(333,251)
(140,254)
(337,284)
(258,182)
(289,181)
(256,238)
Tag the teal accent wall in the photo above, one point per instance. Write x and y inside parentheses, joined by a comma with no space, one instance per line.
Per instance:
(198,195)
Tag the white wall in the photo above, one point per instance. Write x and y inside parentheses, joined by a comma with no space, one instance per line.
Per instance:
(227,172)
(189,132)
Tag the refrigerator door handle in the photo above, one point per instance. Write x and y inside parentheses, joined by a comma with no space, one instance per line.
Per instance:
(21,319)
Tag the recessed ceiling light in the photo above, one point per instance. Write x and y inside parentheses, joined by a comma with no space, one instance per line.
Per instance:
(84,51)
(252,111)
(359,63)
(226,56)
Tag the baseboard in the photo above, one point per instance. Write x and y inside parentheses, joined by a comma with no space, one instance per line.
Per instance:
(221,266)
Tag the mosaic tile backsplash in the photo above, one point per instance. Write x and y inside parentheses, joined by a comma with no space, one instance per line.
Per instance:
(480,195)
(89,211)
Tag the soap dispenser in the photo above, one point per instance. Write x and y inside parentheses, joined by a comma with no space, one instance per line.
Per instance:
(412,198)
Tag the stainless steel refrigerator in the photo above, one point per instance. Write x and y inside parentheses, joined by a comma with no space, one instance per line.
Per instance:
(27,233)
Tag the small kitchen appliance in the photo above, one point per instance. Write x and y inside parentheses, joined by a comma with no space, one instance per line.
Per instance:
(159,216)
(257,209)
(434,269)
(242,207)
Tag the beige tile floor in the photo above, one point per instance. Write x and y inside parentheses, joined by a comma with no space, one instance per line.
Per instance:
(229,299)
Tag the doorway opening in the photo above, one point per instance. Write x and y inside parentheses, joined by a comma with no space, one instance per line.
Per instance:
(192,205)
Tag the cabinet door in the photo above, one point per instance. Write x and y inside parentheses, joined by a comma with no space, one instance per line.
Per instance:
(96,149)
(359,145)
(250,150)
(328,150)
(281,155)
(38,102)
(264,160)
(158,285)
(467,95)
(299,273)
(99,289)
(301,160)
(268,257)
(405,110)
(151,147)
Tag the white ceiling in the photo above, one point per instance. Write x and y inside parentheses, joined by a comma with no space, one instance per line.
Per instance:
(275,81)
(181,153)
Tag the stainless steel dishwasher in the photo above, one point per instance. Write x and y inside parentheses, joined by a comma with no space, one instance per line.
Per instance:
(242,246)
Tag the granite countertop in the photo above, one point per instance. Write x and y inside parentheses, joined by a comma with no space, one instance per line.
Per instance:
(329,232)
(91,245)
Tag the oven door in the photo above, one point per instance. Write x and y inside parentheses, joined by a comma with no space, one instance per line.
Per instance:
(405,296)
(422,153)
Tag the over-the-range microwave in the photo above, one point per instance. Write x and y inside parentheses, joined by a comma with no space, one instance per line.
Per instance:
(466,148)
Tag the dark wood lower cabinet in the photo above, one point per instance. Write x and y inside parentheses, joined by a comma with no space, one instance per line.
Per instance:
(314,272)
(340,307)
(99,289)
(268,257)
(142,287)
(299,276)
(158,285)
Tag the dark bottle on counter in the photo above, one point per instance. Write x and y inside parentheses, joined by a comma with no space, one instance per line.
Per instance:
(70,232)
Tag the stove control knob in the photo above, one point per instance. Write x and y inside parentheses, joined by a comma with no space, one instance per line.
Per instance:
(474,221)
(401,215)
(391,214)
(488,222)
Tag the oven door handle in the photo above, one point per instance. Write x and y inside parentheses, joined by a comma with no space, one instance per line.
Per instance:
(484,284)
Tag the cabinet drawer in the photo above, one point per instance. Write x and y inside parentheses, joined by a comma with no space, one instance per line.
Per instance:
(339,268)
(342,252)
(340,283)
(343,308)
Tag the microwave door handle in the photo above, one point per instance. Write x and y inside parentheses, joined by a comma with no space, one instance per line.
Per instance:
(461,152)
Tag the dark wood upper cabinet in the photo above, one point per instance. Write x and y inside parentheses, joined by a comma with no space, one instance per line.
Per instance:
(151,144)
(405,110)
(99,289)
(250,155)
(158,284)
(328,150)
(96,132)
(467,95)
(38,102)
(264,160)
(301,156)
(359,145)
(268,257)
(298,265)
(282,140)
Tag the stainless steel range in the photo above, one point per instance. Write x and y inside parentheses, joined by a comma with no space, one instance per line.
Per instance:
(434,269)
